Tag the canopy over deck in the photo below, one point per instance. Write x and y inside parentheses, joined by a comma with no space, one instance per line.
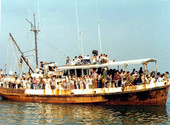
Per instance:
(111,63)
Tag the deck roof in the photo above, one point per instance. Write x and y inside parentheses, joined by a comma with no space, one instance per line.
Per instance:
(111,63)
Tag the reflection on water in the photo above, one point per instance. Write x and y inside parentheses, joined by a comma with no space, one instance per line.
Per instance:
(35,113)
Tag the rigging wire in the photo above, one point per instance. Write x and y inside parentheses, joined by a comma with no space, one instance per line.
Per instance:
(63,55)
(17,58)
(7,53)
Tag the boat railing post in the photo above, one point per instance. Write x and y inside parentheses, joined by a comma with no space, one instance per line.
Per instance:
(144,72)
(75,72)
(156,67)
(68,72)
(147,72)
(118,67)
(82,73)
(87,73)
(125,66)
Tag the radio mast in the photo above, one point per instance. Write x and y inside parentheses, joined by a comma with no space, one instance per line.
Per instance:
(35,29)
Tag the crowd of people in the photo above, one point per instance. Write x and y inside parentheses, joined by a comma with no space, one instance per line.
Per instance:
(99,78)
(81,60)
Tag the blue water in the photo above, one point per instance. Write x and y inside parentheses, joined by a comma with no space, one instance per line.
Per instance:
(36,113)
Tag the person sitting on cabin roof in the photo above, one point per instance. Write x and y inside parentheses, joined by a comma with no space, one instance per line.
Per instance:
(94,60)
(101,58)
(76,60)
(73,62)
(42,67)
(80,60)
(68,60)
(106,59)
(87,59)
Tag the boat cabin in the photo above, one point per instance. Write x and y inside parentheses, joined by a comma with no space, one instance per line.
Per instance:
(79,70)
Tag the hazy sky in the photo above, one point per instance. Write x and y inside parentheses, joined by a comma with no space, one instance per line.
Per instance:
(130,29)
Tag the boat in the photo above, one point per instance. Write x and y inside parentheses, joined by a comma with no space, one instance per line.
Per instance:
(142,94)
(145,94)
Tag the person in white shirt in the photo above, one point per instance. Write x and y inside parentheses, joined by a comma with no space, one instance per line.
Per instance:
(73,62)
(94,60)
(24,83)
(153,80)
(37,70)
(47,83)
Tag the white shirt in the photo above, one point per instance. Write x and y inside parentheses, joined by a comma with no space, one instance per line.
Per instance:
(152,81)
(160,79)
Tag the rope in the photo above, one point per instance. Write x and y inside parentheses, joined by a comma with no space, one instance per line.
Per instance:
(57,50)
(7,52)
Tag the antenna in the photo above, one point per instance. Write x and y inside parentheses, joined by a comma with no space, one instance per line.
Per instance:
(98,24)
(79,32)
(38,14)
(35,30)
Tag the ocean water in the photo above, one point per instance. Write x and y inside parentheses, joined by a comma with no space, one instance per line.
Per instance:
(37,113)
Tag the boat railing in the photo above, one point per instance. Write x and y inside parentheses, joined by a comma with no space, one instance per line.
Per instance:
(124,89)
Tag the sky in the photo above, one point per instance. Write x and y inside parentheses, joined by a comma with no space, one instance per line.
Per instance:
(130,29)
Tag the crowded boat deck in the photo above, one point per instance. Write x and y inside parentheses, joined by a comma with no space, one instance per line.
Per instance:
(88,83)
(97,80)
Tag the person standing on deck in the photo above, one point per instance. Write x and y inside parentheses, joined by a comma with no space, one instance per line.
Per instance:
(34,81)
(53,83)
(166,76)
(46,69)
(141,70)
(95,79)
(47,85)
(99,82)
(128,78)
(116,78)
(105,77)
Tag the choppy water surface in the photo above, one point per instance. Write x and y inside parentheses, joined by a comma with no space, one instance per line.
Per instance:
(36,113)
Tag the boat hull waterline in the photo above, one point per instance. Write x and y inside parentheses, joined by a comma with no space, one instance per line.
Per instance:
(151,96)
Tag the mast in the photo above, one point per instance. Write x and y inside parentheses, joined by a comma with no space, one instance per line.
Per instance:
(98,24)
(22,54)
(79,32)
(35,30)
